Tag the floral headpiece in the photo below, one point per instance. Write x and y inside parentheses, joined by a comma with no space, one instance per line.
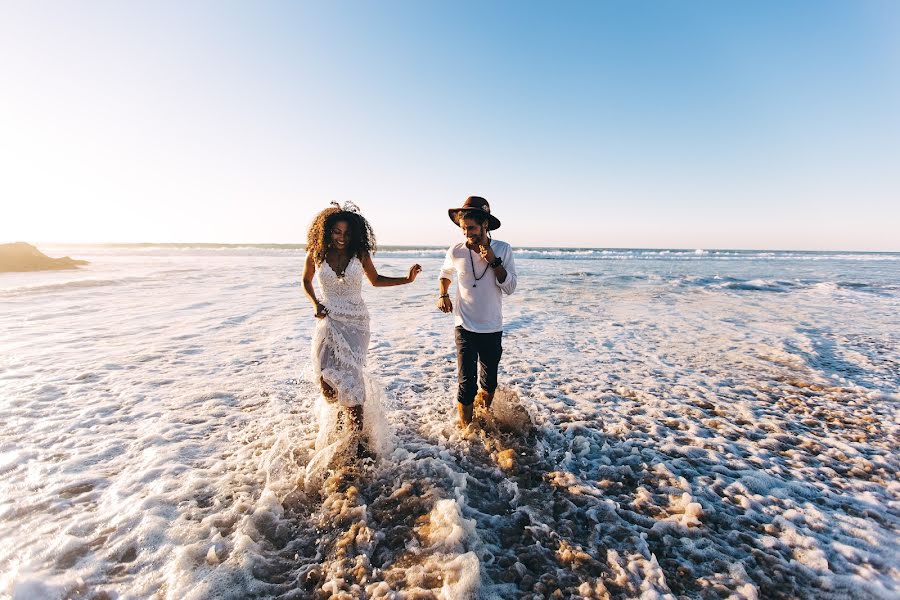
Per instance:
(347,207)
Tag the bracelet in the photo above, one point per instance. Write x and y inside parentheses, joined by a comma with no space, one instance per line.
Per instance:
(497,262)
(444,296)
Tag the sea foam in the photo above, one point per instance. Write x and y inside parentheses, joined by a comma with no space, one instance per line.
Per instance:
(716,425)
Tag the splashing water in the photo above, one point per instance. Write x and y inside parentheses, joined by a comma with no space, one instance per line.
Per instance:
(671,425)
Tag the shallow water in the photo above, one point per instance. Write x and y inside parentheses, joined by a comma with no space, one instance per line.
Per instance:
(673,424)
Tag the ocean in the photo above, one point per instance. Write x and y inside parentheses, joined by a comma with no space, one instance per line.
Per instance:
(670,424)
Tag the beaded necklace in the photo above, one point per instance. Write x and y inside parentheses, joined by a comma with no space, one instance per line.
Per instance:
(474,274)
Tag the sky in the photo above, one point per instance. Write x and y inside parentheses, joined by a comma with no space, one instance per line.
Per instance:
(669,124)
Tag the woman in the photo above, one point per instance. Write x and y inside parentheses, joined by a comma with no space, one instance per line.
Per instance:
(339,247)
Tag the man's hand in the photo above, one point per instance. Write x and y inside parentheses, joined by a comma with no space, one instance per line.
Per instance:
(487,253)
(444,304)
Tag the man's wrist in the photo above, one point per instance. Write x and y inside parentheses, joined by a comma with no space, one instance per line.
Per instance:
(444,296)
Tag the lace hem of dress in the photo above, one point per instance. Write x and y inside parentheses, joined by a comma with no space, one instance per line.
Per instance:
(335,361)
(350,391)
(342,350)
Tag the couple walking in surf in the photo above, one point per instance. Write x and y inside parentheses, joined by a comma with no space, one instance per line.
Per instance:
(340,245)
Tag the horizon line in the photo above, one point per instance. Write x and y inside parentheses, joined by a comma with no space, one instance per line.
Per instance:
(299,246)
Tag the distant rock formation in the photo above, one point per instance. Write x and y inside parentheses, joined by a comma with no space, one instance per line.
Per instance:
(25,257)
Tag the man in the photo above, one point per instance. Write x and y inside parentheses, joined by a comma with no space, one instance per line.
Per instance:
(485,271)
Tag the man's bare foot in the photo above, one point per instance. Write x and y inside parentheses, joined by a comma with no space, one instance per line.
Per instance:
(485,398)
(465,414)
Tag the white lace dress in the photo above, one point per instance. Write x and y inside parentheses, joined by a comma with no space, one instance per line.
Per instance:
(341,339)
(339,346)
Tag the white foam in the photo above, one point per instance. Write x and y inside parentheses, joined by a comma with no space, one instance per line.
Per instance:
(156,434)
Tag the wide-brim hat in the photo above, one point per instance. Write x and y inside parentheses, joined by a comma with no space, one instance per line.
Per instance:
(475,203)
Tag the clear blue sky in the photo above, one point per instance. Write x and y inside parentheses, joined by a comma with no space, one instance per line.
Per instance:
(628,123)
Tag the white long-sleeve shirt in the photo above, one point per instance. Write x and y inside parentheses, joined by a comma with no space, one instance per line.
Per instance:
(479,304)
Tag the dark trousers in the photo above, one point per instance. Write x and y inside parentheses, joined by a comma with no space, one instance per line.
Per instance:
(477,352)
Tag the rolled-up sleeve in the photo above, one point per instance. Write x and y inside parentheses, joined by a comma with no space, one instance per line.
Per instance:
(447,270)
(509,284)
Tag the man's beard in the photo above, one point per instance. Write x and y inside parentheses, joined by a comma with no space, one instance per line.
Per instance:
(480,240)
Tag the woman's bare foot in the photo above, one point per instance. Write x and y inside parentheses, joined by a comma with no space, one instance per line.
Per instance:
(327,391)
(362,450)
(356,417)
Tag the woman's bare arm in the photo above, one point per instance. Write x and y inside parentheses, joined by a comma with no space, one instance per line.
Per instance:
(309,271)
(383,281)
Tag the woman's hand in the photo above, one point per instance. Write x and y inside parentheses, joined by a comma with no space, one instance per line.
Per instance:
(413,271)
(321,311)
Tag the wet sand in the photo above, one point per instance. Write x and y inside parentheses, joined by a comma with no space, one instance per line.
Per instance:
(658,436)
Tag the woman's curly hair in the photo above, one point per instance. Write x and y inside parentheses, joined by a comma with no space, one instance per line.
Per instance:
(362,238)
